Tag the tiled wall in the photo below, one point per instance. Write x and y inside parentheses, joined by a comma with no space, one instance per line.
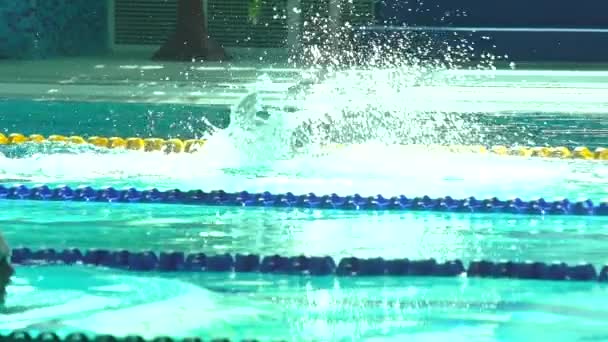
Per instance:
(47,28)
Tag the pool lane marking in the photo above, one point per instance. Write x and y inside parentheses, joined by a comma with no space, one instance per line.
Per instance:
(310,265)
(175,145)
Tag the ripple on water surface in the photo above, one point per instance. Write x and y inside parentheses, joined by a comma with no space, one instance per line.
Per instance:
(416,235)
(74,298)
(368,170)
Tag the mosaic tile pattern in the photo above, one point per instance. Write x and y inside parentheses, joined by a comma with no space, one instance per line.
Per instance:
(17,28)
(46,28)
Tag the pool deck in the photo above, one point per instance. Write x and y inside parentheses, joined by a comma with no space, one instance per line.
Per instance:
(136,79)
(140,80)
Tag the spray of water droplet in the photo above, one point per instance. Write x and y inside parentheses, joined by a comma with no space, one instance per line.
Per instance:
(360,93)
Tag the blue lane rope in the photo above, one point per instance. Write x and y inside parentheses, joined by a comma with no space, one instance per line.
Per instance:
(312,201)
(304,265)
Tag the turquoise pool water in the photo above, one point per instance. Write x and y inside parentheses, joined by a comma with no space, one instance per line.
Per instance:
(187,121)
(109,119)
(368,170)
(415,235)
(269,307)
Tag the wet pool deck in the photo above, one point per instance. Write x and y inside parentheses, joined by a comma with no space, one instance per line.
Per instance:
(139,80)
(556,88)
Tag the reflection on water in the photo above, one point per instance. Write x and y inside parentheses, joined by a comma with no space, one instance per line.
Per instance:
(251,156)
(73,298)
(414,235)
(542,129)
(365,169)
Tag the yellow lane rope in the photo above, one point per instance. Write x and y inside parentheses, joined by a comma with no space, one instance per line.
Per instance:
(135,143)
(192,145)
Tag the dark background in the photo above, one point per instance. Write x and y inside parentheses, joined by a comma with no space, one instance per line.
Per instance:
(517,15)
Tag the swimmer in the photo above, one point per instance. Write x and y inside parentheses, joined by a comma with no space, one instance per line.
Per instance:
(6,270)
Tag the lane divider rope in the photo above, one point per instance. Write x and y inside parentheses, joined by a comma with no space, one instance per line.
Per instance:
(135,144)
(192,145)
(24,336)
(309,265)
(308,201)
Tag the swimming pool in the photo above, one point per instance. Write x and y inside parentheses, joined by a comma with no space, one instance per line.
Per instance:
(109,118)
(119,297)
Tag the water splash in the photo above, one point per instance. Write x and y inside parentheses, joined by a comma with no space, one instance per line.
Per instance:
(353,106)
(366,169)
(372,102)
(364,89)
(381,106)
(254,137)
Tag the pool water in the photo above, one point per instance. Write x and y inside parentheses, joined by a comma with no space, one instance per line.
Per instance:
(368,170)
(66,299)
(212,230)
(109,118)
(78,298)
